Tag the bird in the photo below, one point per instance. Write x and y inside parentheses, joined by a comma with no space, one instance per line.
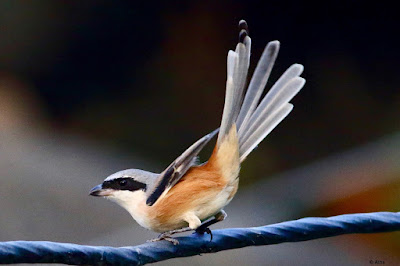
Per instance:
(188,195)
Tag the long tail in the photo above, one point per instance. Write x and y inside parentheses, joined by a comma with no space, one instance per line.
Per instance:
(255,119)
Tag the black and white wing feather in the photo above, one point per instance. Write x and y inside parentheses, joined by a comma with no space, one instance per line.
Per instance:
(178,168)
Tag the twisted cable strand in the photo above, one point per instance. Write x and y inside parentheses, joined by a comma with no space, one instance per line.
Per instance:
(195,244)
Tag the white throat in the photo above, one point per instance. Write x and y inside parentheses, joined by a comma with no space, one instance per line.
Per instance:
(134,202)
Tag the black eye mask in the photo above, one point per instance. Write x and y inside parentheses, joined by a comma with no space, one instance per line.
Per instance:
(124,183)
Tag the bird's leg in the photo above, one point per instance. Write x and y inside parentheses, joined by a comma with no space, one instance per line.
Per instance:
(203,228)
(167,236)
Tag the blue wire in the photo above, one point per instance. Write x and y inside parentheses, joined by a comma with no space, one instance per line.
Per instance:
(291,231)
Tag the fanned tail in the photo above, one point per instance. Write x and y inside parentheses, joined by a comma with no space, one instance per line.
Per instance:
(253,119)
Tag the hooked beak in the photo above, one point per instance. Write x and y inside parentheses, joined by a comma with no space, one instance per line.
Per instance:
(98,191)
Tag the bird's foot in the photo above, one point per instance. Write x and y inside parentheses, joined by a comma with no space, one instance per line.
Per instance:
(166,237)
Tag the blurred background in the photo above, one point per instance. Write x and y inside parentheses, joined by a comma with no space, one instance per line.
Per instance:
(88,88)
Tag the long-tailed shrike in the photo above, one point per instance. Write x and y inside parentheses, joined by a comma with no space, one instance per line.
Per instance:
(191,196)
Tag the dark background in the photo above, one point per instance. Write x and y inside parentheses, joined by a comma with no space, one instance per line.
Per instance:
(149,76)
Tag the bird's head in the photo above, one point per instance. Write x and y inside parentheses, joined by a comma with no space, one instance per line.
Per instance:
(127,187)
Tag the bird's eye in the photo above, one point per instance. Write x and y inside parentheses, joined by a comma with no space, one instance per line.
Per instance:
(123,182)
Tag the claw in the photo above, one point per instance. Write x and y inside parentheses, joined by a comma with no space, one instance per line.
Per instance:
(205,230)
(208,231)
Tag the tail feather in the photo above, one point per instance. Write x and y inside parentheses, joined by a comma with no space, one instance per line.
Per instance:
(238,64)
(278,90)
(229,97)
(240,76)
(271,102)
(254,120)
(251,142)
(258,82)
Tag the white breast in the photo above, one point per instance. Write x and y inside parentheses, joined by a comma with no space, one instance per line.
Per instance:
(216,204)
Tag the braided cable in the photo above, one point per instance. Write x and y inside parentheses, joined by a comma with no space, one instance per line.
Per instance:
(195,244)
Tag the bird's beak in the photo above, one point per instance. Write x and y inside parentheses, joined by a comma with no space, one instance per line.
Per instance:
(98,191)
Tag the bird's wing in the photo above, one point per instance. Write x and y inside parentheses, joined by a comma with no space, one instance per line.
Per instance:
(174,172)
